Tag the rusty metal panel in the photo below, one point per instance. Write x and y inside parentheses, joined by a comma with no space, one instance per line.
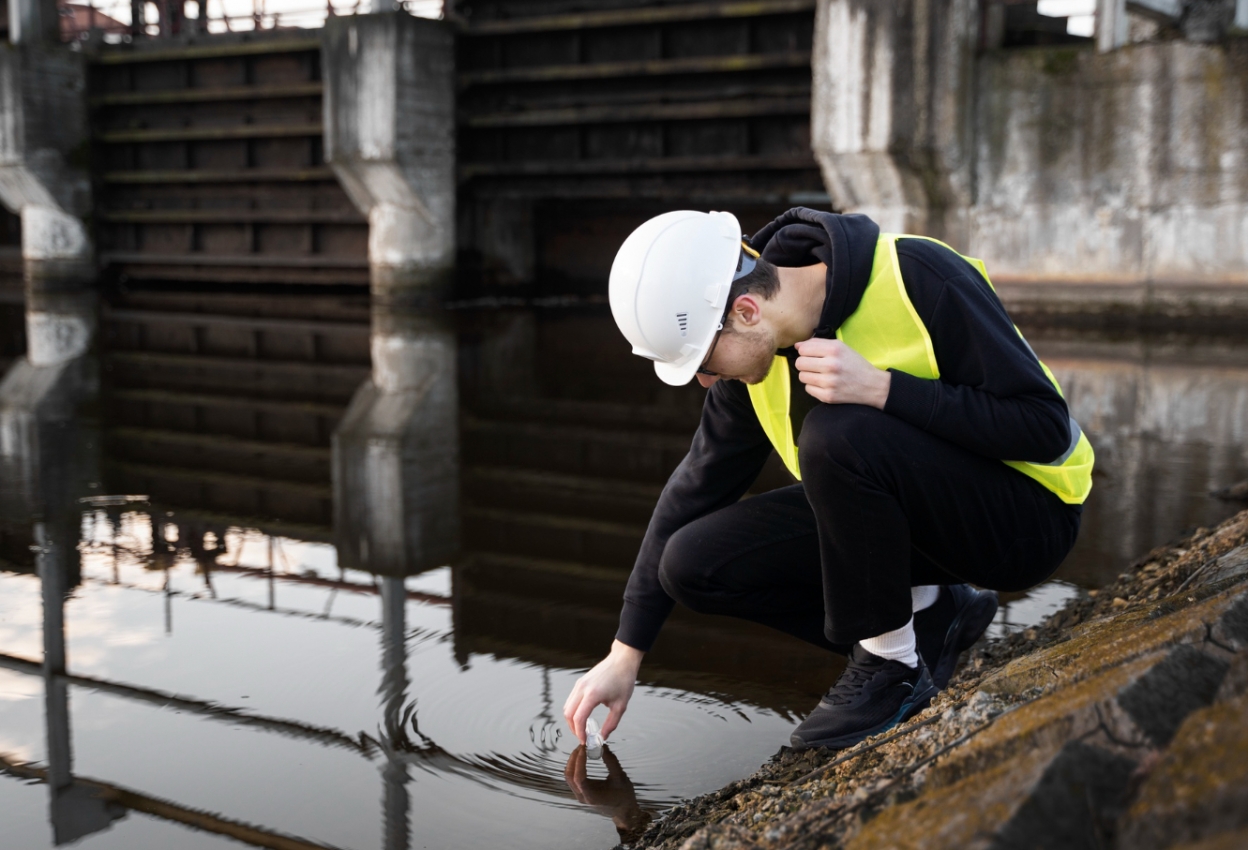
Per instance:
(214,150)
(225,367)
(601,114)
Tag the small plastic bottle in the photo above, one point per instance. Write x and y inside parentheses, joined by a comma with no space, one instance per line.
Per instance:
(593,739)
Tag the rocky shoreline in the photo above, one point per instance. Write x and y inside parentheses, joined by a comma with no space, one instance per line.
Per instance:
(1121,721)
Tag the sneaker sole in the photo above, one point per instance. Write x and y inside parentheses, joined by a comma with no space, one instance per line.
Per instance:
(968,625)
(909,708)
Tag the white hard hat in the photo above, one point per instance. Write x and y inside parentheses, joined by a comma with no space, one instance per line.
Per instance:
(669,287)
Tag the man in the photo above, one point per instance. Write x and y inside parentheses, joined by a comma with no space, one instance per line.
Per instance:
(931,445)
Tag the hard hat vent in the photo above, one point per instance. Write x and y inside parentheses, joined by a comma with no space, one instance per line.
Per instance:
(682,320)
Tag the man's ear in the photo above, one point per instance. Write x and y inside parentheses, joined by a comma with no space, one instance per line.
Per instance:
(746,310)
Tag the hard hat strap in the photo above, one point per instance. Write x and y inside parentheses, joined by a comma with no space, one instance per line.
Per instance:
(745,262)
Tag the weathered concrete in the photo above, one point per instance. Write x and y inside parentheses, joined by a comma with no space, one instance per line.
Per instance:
(1114,180)
(389,135)
(891,116)
(1128,170)
(43,141)
(43,144)
(33,21)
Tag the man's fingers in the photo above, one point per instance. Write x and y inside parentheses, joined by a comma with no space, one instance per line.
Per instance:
(815,347)
(613,720)
(579,717)
(817,365)
(569,704)
(818,379)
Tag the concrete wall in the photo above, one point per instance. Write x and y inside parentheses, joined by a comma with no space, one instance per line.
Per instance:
(1118,167)
(43,145)
(1113,181)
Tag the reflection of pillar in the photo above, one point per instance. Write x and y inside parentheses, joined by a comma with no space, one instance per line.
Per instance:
(52,578)
(396,803)
(75,811)
(389,135)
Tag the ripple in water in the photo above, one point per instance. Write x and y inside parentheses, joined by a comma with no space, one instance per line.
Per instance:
(514,739)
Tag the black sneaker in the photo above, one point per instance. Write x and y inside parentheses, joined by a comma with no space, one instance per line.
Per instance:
(872,695)
(959,616)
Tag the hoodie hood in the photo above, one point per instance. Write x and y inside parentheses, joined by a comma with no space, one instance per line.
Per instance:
(844,243)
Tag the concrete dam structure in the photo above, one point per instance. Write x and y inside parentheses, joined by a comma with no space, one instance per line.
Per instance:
(290,262)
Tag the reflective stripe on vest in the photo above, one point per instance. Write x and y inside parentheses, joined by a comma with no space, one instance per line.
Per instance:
(887,331)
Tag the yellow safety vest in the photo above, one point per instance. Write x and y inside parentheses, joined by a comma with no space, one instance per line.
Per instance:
(887,331)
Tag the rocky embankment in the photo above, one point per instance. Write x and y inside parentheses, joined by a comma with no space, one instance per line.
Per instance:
(1120,722)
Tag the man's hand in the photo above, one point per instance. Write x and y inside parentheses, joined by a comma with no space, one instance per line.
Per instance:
(836,374)
(610,682)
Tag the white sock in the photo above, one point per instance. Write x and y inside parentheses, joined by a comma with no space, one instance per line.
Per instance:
(897,645)
(923,596)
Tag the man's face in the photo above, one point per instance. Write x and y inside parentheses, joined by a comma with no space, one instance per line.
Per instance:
(741,354)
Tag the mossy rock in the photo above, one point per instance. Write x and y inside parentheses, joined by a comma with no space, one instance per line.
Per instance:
(1199,788)
(1107,643)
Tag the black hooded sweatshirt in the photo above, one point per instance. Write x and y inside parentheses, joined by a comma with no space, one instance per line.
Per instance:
(992,397)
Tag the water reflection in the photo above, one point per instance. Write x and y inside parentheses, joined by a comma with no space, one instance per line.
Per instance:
(259,635)
(613,796)
(172,675)
(1170,417)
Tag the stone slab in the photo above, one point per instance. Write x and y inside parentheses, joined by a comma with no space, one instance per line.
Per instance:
(1199,788)
(1106,643)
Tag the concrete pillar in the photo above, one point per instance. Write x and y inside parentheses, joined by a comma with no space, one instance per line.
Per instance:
(1111,24)
(389,136)
(34,22)
(1209,21)
(43,138)
(892,110)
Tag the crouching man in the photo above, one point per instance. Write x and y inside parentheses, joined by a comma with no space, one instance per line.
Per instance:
(933,451)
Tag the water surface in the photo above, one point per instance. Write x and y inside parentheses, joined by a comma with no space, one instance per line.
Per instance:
(234,674)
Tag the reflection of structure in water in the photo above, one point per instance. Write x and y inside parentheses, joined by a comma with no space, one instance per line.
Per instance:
(1168,416)
(84,805)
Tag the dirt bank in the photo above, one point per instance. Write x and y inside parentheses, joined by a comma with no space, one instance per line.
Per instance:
(1120,721)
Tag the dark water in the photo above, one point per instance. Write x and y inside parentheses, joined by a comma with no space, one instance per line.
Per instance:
(236,679)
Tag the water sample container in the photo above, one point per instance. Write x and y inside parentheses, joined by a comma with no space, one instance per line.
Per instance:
(593,739)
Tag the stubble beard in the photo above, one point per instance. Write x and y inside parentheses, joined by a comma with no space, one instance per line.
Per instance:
(762,350)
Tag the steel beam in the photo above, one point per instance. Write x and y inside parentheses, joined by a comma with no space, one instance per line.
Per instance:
(640,16)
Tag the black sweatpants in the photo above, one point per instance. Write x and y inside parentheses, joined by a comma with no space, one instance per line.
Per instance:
(883,506)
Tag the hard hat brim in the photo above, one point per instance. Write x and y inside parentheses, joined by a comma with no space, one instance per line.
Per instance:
(677,375)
